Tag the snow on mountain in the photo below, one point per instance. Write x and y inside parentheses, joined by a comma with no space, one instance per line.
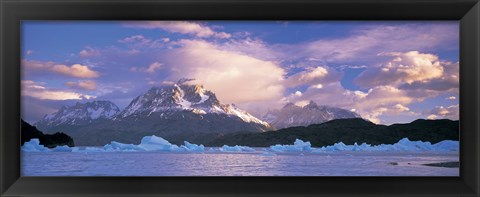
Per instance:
(292,115)
(183,97)
(80,113)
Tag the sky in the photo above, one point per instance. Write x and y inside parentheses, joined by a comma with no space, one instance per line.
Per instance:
(386,71)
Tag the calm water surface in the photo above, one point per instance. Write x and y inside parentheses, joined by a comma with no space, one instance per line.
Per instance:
(342,163)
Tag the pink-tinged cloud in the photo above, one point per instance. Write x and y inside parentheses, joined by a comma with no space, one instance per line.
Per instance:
(234,77)
(82,85)
(359,45)
(403,68)
(182,27)
(441,112)
(75,70)
(151,69)
(313,76)
(37,90)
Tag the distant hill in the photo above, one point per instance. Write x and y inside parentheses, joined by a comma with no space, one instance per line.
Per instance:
(348,131)
(49,140)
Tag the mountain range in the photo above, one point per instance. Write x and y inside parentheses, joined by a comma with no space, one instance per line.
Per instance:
(184,111)
(177,112)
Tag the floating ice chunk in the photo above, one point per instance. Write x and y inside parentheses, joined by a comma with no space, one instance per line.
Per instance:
(407,145)
(154,143)
(63,148)
(237,148)
(34,146)
(298,145)
(403,145)
(193,147)
(117,146)
(447,145)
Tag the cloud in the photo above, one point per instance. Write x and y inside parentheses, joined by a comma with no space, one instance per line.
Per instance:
(82,85)
(152,68)
(75,70)
(441,112)
(451,98)
(448,81)
(37,90)
(404,68)
(310,76)
(182,27)
(89,52)
(253,48)
(29,52)
(359,45)
(139,42)
(234,77)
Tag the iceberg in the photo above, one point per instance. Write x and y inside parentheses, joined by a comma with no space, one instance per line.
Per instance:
(63,148)
(34,146)
(447,145)
(298,145)
(154,143)
(403,145)
(236,148)
(193,147)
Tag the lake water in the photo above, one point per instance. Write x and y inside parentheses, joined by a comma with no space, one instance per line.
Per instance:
(259,163)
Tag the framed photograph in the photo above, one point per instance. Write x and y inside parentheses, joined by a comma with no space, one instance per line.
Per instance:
(240,98)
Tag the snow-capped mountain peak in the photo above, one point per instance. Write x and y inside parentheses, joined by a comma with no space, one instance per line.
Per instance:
(292,115)
(183,96)
(80,113)
(171,97)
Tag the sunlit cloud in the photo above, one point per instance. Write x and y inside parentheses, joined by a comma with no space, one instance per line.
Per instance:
(235,78)
(311,76)
(451,98)
(37,90)
(152,68)
(403,68)
(441,112)
(75,70)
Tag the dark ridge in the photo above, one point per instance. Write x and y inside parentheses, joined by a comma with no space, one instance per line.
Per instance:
(347,131)
(48,140)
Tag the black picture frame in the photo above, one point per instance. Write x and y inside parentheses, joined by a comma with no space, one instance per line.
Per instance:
(12,12)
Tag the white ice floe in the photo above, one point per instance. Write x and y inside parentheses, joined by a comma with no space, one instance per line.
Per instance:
(63,148)
(236,148)
(154,143)
(403,145)
(34,146)
(297,146)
